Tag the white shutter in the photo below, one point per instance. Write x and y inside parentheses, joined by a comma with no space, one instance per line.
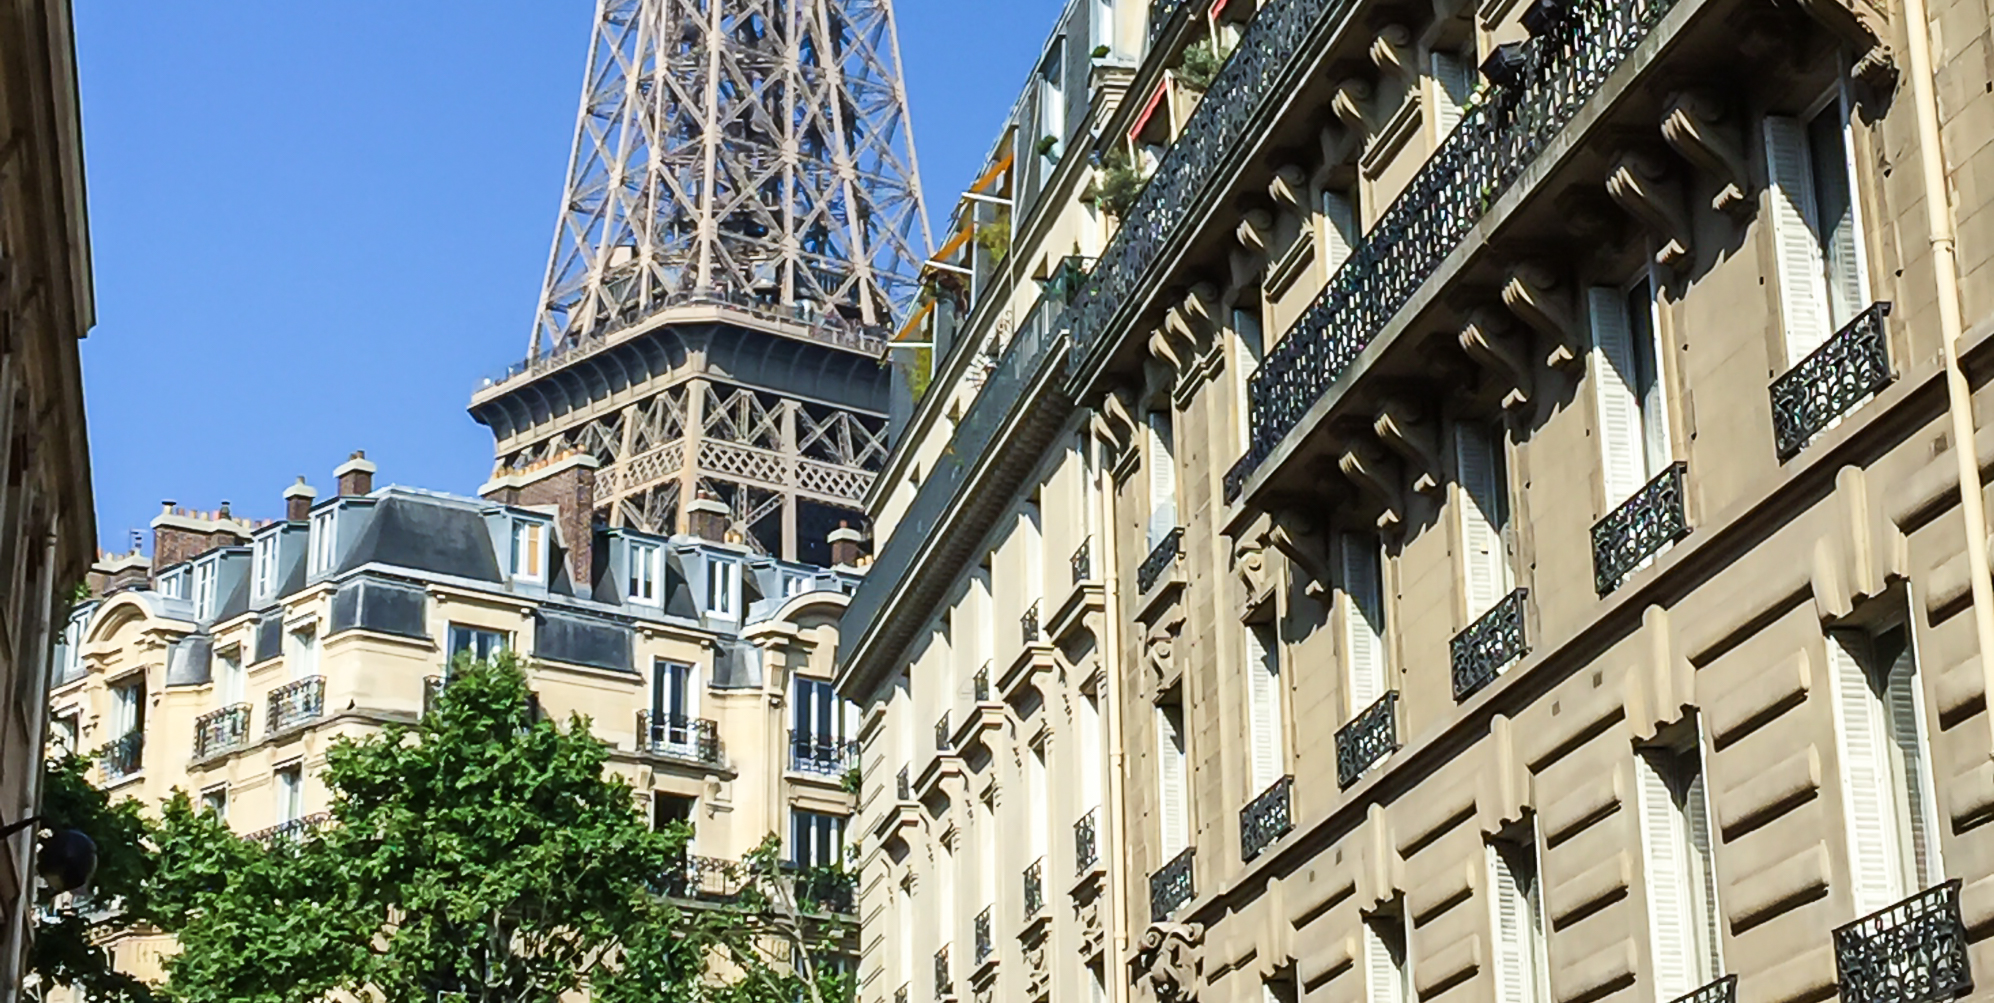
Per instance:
(1710,928)
(1264,683)
(1847,278)
(1803,293)
(1364,620)
(1874,860)
(1511,925)
(1451,86)
(1162,478)
(1384,982)
(1485,564)
(1615,376)
(1251,346)
(1170,776)
(1339,232)
(1907,735)
(1671,939)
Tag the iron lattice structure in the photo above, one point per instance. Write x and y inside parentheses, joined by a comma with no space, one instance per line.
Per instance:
(757,151)
(742,221)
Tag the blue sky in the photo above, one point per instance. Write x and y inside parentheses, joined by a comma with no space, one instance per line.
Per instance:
(316,226)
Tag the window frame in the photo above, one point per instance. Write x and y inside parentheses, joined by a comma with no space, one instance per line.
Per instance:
(723,580)
(263,565)
(529,541)
(644,565)
(323,541)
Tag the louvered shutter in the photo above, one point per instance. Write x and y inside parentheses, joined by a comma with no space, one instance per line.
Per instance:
(1705,915)
(1170,775)
(1511,924)
(1834,179)
(1486,565)
(1263,675)
(1669,933)
(1252,345)
(1339,232)
(1907,737)
(1364,620)
(1385,983)
(1162,478)
(1615,376)
(1803,294)
(1452,83)
(1873,856)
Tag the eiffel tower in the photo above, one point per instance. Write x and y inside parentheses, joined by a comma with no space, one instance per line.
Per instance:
(742,221)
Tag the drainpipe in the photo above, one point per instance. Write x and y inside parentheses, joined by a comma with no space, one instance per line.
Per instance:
(1112,852)
(1945,279)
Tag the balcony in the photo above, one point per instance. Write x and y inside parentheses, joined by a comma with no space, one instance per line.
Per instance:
(1639,529)
(1547,78)
(944,980)
(1845,371)
(219,731)
(827,757)
(679,737)
(1083,561)
(1912,952)
(1490,644)
(294,704)
(823,890)
(985,943)
(1035,888)
(122,756)
(295,829)
(900,994)
(979,684)
(1160,13)
(1028,625)
(1724,990)
(1369,737)
(1170,886)
(697,877)
(1086,843)
(1266,818)
(903,789)
(1160,558)
(943,744)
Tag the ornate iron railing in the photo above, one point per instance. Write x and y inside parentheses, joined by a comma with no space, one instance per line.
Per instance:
(1370,736)
(697,877)
(1833,378)
(1553,75)
(1159,560)
(1639,529)
(944,981)
(1171,886)
(823,889)
(219,731)
(1086,841)
(1912,952)
(1034,888)
(900,994)
(942,743)
(985,942)
(1083,561)
(303,825)
(1266,818)
(295,703)
(1028,625)
(678,736)
(432,691)
(1160,13)
(1488,645)
(902,789)
(122,756)
(810,752)
(1724,990)
(979,684)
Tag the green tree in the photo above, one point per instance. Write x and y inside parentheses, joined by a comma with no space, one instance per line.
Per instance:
(68,946)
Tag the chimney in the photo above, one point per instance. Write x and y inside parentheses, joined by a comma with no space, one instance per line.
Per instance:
(706,517)
(566,482)
(179,534)
(298,500)
(845,546)
(356,475)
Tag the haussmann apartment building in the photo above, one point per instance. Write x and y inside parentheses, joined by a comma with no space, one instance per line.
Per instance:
(1447,501)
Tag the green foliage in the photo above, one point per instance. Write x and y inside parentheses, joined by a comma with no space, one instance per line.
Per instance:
(994,236)
(67,946)
(1046,145)
(1101,52)
(1200,65)
(1115,189)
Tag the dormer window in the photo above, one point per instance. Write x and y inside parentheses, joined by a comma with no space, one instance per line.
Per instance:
(204,590)
(529,550)
(324,540)
(723,587)
(263,564)
(173,584)
(646,573)
(795,585)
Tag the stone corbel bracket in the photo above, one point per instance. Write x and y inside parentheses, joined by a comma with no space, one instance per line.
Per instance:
(1352,105)
(1295,537)
(1640,185)
(1116,424)
(1865,26)
(1255,231)
(1392,51)
(1699,128)
(1488,341)
(1416,442)
(1290,187)
(1532,293)
(1367,471)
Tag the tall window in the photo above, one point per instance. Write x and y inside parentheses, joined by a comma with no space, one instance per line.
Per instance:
(324,541)
(1453,81)
(229,681)
(204,589)
(1173,779)
(1628,388)
(529,550)
(1340,228)
(1162,462)
(674,703)
(1052,98)
(483,644)
(215,799)
(1038,793)
(290,793)
(1089,737)
(1103,25)
(303,656)
(667,809)
(1387,963)
(820,715)
(1484,513)
(723,587)
(645,572)
(1886,772)
(815,838)
(1816,224)
(1263,694)
(1364,620)
(1682,884)
(1250,340)
(263,564)
(1518,921)
(62,733)
(128,707)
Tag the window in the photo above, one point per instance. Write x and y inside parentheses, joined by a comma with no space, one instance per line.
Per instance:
(204,589)
(1484,508)
(62,733)
(815,838)
(173,584)
(229,678)
(1364,620)
(1453,81)
(481,643)
(819,713)
(303,656)
(215,799)
(1886,780)
(795,585)
(529,550)
(128,707)
(1097,983)
(1173,780)
(1816,226)
(669,808)
(1387,964)
(263,564)
(1250,341)
(1682,885)
(646,567)
(1628,388)
(1089,733)
(1340,232)
(324,541)
(1263,689)
(723,587)
(1052,98)
(674,704)
(290,793)
(1162,477)
(1520,969)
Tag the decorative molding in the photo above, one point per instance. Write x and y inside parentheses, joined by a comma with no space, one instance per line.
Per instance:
(1170,961)
(1290,186)
(1400,428)
(1532,293)
(1487,341)
(1701,129)
(1368,474)
(1639,184)
(1296,537)
(1351,104)
(1255,231)
(1392,52)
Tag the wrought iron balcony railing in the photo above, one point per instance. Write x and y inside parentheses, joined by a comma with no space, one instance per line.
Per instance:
(944,980)
(902,789)
(824,889)
(1831,380)
(219,731)
(1159,560)
(295,703)
(1639,529)
(1369,737)
(678,736)
(942,743)
(985,942)
(979,684)
(1266,818)
(1160,13)
(122,756)
(432,691)
(1170,886)
(1723,990)
(1086,843)
(813,753)
(1083,561)
(1482,650)
(1035,888)
(697,877)
(1028,625)
(1553,74)
(1912,952)
(296,828)
(900,994)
